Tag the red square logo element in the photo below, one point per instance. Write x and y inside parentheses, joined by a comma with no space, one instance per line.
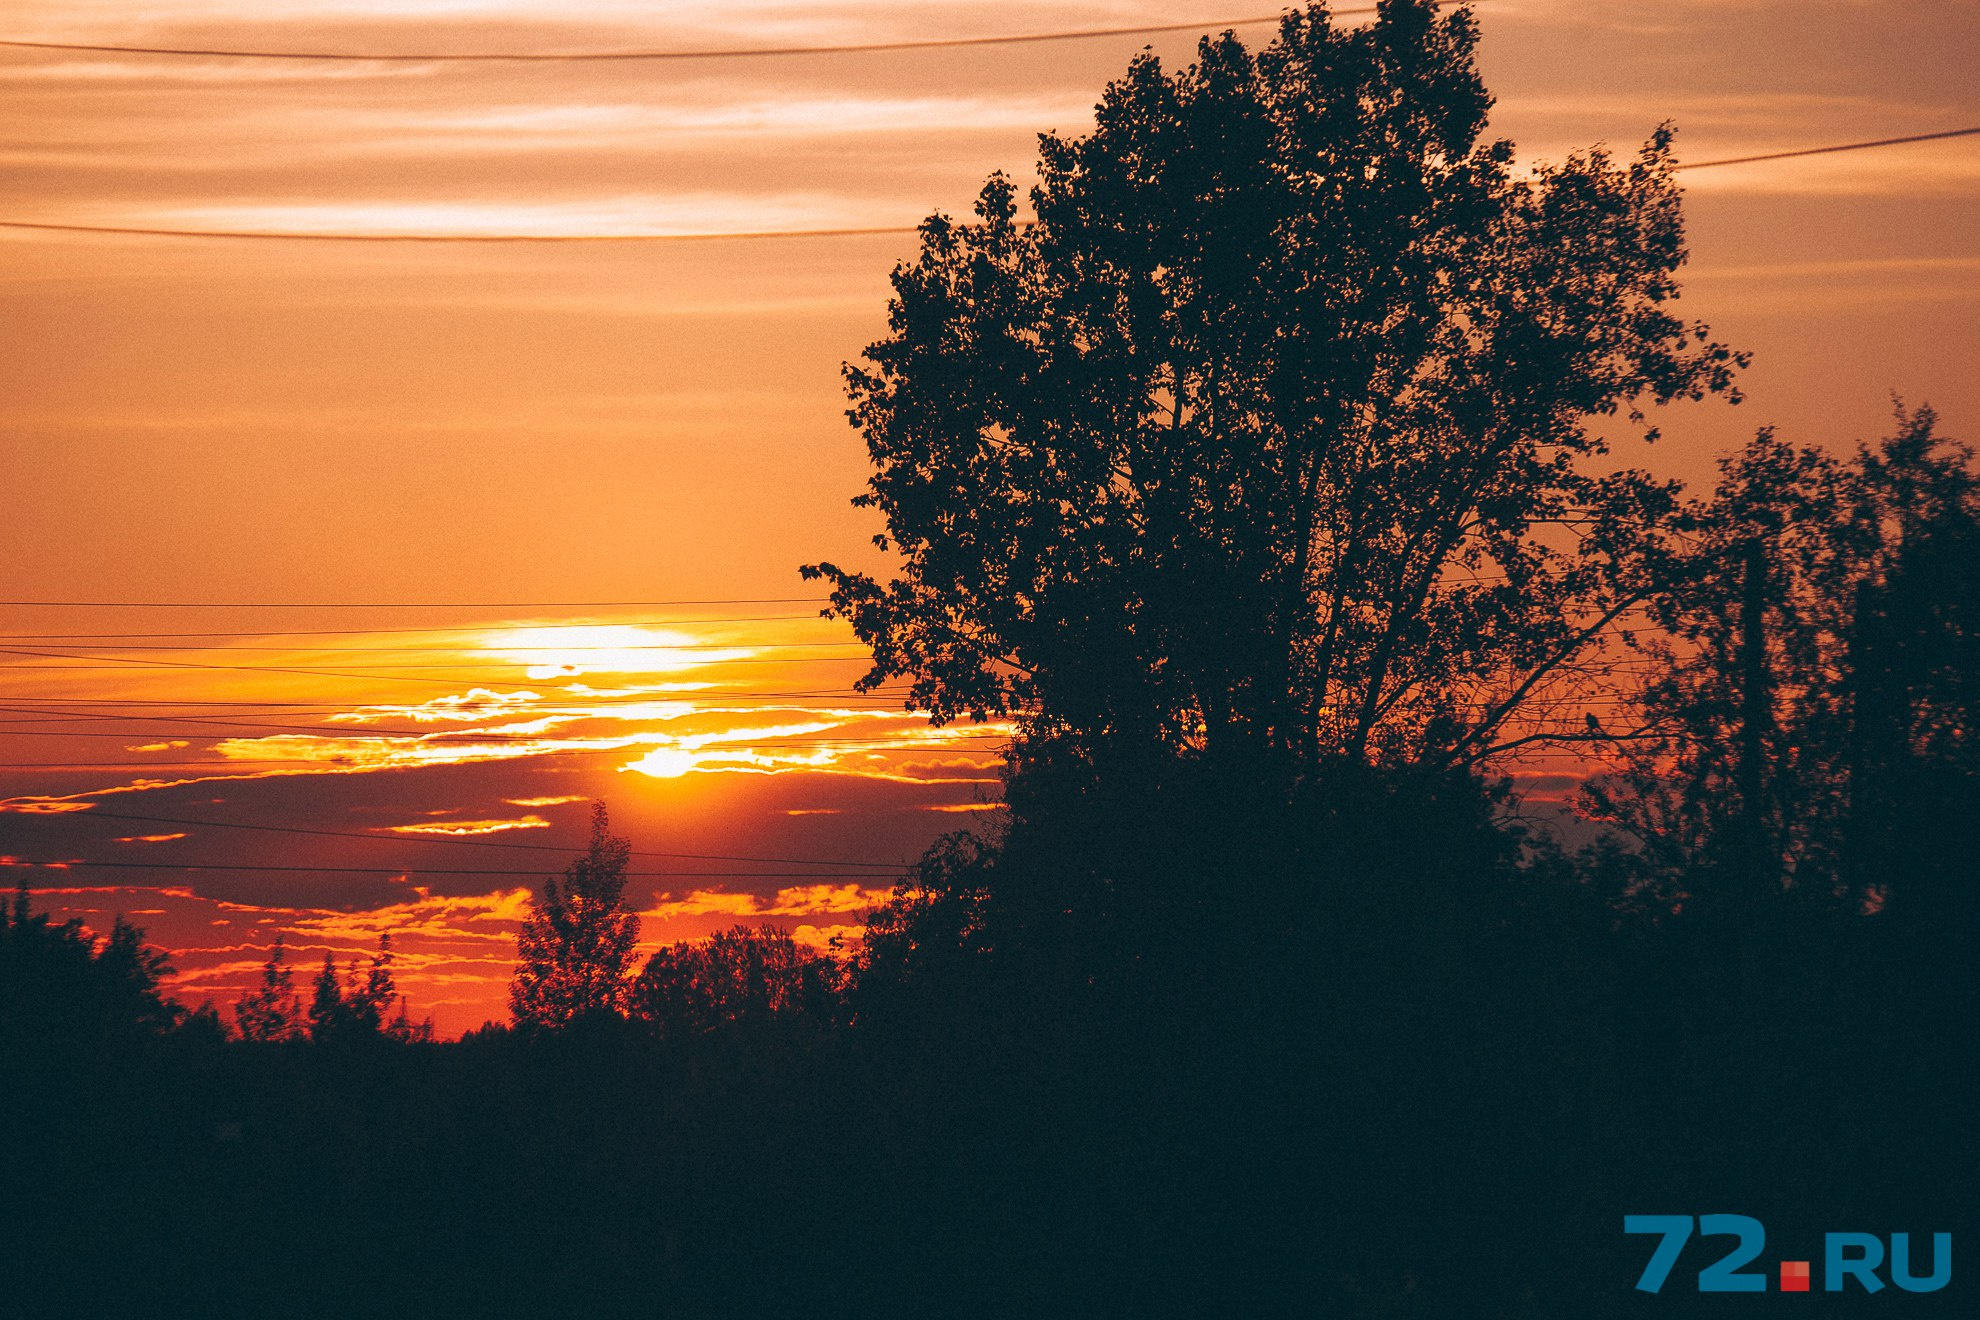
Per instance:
(1794,1276)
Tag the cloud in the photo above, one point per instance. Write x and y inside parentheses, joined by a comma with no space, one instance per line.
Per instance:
(806,900)
(707,902)
(471,827)
(545,801)
(151,838)
(475,705)
(793,901)
(836,940)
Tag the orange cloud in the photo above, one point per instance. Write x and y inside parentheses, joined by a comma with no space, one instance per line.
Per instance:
(707,902)
(836,940)
(469,827)
(795,901)
(476,704)
(806,900)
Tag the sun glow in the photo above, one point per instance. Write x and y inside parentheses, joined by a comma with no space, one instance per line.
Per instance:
(665,763)
(569,651)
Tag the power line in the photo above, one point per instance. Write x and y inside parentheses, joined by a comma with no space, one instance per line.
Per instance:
(111,662)
(273,706)
(483,648)
(1823,151)
(720,53)
(348,237)
(431,870)
(627,711)
(973,746)
(230,764)
(752,235)
(84,638)
(463,667)
(429,736)
(470,741)
(478,843)
(400,604)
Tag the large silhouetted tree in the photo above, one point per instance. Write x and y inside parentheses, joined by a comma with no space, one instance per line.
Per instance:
(576,946)
(1257,441)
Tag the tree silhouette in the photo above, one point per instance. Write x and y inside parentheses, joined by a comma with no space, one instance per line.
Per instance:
(60,982)
(1811,679)
(743,974)
(355,1006)
(1257,442)
(329,1015)
(270,1011)
(403,1029)
(576,946)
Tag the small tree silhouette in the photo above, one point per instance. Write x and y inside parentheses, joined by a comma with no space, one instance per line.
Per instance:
(329,1015)
(57,980)
(357,1006)
(270,1012)
(576,947)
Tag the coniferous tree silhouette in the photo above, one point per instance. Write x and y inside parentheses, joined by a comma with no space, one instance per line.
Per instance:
(356,1006)
(270,1011)
(329,1016)
(576,946)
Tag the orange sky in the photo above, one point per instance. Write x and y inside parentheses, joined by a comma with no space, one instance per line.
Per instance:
(228,421)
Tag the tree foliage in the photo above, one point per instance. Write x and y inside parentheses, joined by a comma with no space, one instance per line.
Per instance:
(356,1007)
(575,948)
(740,975)
(1800,718)
(60,982)
(1258,441)
(271,1012)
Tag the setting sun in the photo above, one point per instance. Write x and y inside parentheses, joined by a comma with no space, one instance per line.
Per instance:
(665,763)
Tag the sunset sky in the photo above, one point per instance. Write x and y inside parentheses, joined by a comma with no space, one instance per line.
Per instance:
(404,429)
